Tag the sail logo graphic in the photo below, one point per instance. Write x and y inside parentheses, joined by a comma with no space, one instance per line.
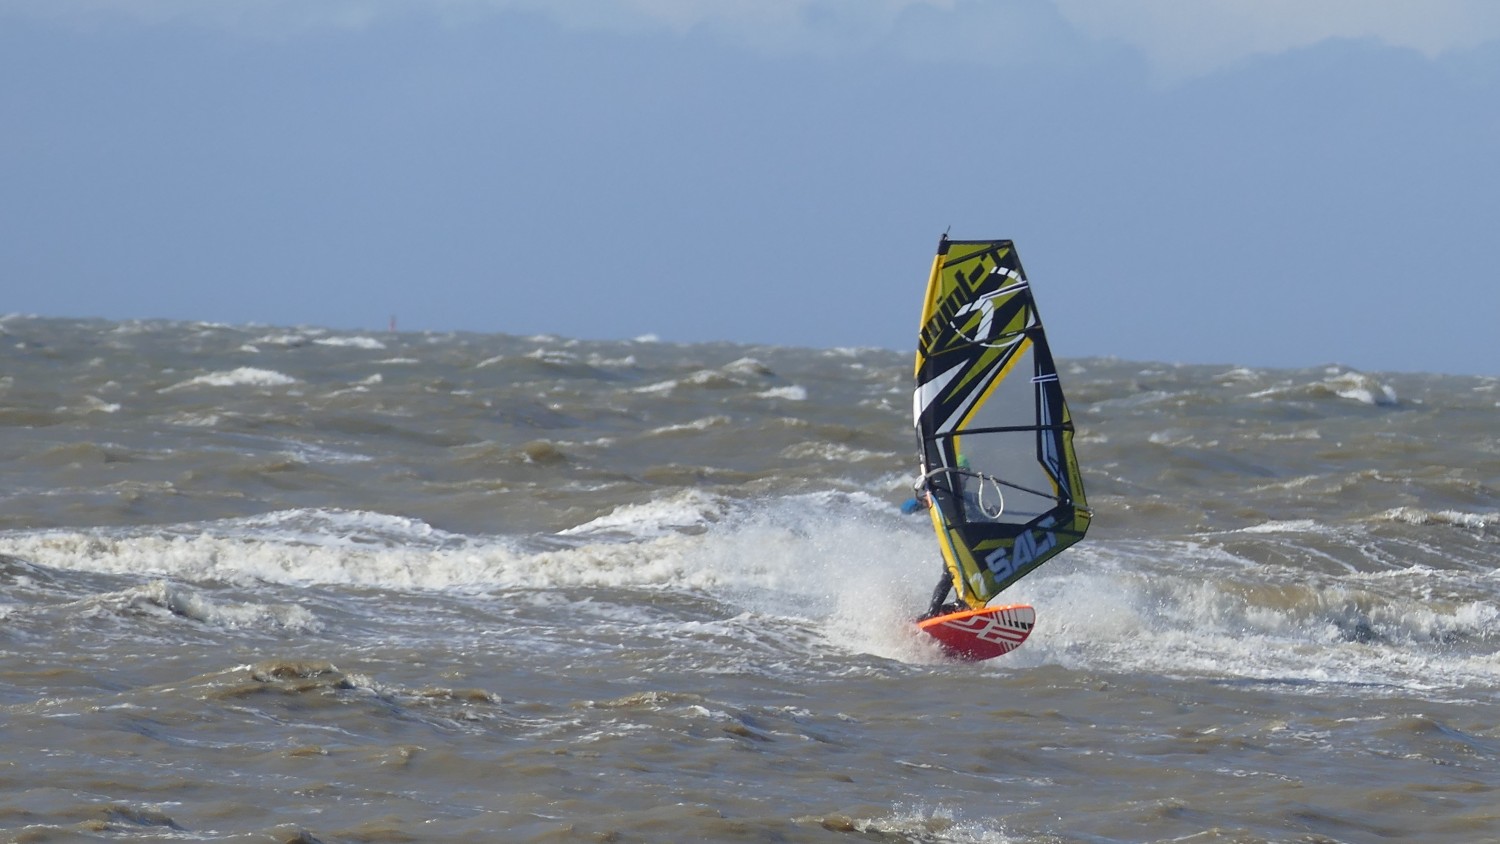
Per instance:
(965,316)
(1004,632)
(1005,562)
(983,330)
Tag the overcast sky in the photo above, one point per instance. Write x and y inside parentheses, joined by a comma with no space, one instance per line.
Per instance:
(1247,182)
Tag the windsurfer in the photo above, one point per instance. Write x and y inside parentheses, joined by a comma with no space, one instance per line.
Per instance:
(940,605)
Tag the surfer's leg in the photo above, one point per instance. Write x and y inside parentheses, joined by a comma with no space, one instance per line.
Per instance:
(940,594)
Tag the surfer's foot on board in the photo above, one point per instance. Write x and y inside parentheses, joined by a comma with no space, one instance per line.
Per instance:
(941,609)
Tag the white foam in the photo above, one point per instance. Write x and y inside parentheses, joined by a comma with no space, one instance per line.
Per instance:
(659,388)
(245,376)
(351,342)
(917,823)
(1237,376)
(1194,609)
(1285,526)
(1171,437)
(711,378)
(836,563)
(195,420)
(833,453)
(551,356)
(626,362)
(1457,518)
(1346,384)
(1304,434)
(164,598)
(1361,388)
(290,341)
(845,572)
(94,404)
(791,392)
(210,555)
(747,367)
(310,453)
(703,424)
(687,509)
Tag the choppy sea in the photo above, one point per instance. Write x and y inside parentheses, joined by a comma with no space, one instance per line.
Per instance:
(294,585)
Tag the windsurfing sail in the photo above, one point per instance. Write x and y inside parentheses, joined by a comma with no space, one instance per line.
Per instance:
(995,435)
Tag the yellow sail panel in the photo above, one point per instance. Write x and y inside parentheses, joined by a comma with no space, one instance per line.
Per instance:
(934,295)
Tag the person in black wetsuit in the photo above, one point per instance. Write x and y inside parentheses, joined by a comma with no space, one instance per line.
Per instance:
(940,605)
